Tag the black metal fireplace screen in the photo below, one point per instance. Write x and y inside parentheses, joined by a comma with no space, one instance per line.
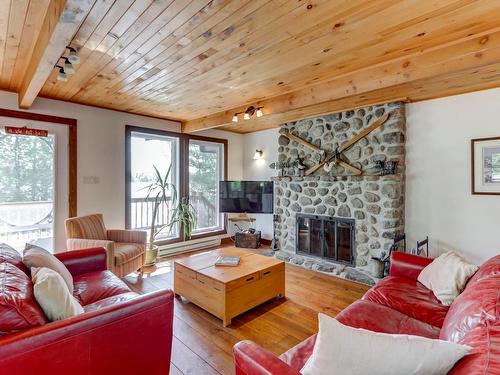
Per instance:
(327,237)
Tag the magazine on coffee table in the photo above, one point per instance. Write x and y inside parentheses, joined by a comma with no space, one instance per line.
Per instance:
(231,261)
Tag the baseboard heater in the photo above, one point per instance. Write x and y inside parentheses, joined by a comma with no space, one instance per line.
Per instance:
(193,245)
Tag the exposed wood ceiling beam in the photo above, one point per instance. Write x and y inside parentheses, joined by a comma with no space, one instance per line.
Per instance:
(60,24)
(475,52)
(464,81)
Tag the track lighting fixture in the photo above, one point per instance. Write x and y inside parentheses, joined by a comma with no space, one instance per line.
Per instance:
(61,76)
(249,112)
(68,67)
(73,56)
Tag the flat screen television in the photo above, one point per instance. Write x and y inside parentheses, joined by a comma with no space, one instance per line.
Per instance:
(254,197)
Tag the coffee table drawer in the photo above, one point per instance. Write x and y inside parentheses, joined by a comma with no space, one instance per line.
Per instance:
(248,279)
(270,271)
(184,271)
(210,283)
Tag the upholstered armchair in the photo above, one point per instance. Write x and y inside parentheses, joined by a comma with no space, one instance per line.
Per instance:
(126,249)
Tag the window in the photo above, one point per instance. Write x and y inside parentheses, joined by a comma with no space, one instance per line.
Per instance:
(197,166)
(148,151)
(206,169)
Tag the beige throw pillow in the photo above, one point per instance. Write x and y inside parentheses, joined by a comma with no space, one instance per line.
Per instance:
(446,276)
(344,350)
(53,295)
(36,257)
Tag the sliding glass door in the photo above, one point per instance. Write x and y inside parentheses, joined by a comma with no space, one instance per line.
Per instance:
(33,185)
(197,166)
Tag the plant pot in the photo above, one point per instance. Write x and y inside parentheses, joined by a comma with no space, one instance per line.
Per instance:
(151,255)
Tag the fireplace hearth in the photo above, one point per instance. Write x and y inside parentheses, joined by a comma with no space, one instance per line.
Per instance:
(330,238)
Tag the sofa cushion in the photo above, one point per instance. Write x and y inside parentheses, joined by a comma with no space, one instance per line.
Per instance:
(375,317)
(12,256)
(110,301)
(124,252)
(409,297)
(18,307)
(477,304)
(484,357)
(474,320)
(95,286)
(490,267)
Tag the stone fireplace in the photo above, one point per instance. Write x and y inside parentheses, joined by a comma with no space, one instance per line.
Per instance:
(337,222)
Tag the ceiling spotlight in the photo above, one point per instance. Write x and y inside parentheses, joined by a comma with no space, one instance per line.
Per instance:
(73,56)
(249,112)
(235,118)
(68,67)
(259,113)
(61,76)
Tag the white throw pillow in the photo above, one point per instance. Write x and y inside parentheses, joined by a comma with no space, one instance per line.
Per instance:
(446,276)
(36,257)
(343,350)
(53,295)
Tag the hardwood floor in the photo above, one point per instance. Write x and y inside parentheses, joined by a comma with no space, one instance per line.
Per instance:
(201,345)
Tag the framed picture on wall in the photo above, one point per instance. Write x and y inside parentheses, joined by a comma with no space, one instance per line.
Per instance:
(485,154)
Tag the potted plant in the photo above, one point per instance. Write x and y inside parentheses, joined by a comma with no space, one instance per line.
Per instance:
(183,213)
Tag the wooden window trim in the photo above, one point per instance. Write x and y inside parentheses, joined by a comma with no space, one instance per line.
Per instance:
(183,173)
(72,148)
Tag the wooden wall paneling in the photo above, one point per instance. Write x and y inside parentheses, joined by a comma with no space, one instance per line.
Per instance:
(62,20)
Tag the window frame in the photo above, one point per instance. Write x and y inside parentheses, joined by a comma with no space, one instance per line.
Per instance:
(183,188)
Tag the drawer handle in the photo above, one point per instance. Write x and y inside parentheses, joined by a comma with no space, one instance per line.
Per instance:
(267,273)
(217,289)
(201,282)
(250,279)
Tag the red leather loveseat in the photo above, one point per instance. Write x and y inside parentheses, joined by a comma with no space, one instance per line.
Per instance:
(120,332)
(400,304)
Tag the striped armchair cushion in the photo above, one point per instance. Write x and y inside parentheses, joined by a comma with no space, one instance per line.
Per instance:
(90,227)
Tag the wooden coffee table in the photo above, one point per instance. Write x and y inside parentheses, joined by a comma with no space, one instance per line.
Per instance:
(228,291)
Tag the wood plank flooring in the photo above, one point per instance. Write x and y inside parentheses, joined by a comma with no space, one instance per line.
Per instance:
(202,346)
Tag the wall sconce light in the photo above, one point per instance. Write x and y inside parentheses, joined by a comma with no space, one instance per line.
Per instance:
(61,76)
(259,113)
(73,56)
(258,155)
(235,118)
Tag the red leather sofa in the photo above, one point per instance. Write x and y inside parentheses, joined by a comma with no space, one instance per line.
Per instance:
(120,332)
(400,304)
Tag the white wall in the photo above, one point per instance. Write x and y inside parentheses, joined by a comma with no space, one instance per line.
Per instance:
(258,170)
(101,151)
(439,202)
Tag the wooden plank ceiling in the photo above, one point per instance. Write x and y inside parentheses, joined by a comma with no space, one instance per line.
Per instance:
(200,61)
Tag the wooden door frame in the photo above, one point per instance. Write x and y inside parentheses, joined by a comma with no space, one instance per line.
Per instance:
(72,148)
